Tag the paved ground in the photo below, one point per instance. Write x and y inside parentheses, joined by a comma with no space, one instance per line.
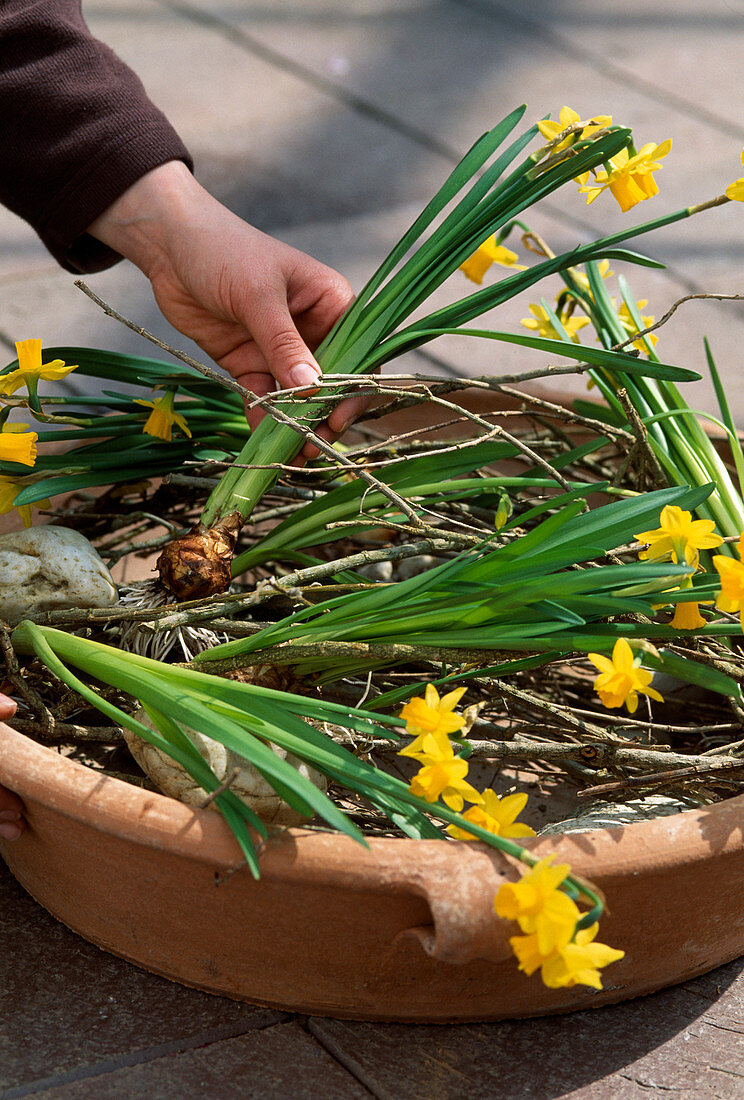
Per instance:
(328,123)
(78,1023)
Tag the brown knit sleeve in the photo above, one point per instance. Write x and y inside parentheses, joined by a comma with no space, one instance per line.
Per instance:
(76,128)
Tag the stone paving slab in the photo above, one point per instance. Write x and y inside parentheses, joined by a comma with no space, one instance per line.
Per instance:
(304,157)
(67,1007)
(494,58)
(683,1040)
(276,1063)
(671,51)
(79,1023)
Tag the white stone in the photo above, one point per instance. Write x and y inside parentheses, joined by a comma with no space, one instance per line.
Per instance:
(170,778)
(48,568)
(613,815)
(414,566)
(377,571)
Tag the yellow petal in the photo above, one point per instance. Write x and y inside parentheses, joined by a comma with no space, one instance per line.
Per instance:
(735,191)
(451,699)
(29,355)
(431,697)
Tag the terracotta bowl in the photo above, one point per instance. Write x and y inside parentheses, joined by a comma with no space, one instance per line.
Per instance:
(402,930)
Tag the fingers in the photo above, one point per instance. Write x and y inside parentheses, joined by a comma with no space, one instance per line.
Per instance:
(310,451)
(287,356)
(283,319)
(11,811)
(261,384)
(346,412)
(7,707)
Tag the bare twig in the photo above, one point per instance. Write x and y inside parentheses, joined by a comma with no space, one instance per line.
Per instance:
(719,769)
(563,716)
(379,653)
(225,785)
(597,756)
(497,430)
(29,695)
(642,448)
(267,589)
(568,415)
(68,732)
(268,403)
(672,310)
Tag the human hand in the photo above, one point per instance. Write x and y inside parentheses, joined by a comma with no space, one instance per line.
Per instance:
(256,306)
(11,807)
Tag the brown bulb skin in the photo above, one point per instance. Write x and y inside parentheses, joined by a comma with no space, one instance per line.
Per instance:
(197,564)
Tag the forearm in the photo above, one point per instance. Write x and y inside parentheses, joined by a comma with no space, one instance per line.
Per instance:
(76,127)
(157,216)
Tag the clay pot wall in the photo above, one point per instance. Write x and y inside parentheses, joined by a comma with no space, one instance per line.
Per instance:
(402,930)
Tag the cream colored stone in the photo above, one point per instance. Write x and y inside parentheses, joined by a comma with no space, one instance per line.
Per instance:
(48,568)
(613,815)
(170,778)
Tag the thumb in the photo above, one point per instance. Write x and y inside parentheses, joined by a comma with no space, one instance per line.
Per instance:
(287,356)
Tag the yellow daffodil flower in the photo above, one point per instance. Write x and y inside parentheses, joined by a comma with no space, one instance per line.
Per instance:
(579,962)
(497,815)
(540,322)
(18,445)
(604,270)
(162,418)
(568,118)
(539,906)
(735,190)
(528,953)
(444,778)
(429,746)
(731,572)
(679,537)
(631,178)
(626,320)
(687,616)
(487,254)
(9,490)
(578,131)
(621,679)
(30,369)
(431,714)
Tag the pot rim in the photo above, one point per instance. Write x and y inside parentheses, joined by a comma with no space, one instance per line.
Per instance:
(39,774)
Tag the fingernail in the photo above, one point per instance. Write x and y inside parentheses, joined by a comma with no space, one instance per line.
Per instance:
(10,828)
(304,375)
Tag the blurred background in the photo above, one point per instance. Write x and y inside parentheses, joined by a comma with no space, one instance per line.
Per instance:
(328,123)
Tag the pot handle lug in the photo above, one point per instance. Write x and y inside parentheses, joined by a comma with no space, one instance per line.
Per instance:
(464,923)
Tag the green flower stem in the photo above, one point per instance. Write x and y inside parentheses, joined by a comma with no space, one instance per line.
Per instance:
(32,384)
(29,638)
(675,434)
(354,345)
